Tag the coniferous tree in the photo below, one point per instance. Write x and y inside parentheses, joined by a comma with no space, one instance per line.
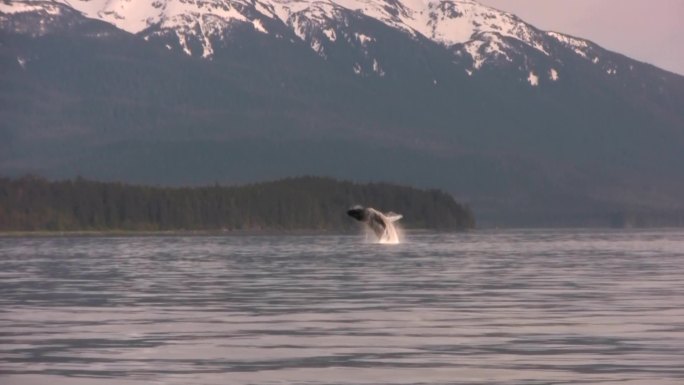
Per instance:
(306,203)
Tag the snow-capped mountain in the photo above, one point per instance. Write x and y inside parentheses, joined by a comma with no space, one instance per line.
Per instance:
(477,35)
(447,22)
(527,125)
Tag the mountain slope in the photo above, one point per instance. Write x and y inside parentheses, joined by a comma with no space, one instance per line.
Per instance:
(529,126)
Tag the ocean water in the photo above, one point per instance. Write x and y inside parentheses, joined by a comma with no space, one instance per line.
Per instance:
(485,307)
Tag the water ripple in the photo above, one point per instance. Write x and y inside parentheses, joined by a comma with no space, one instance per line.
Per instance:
(488,307)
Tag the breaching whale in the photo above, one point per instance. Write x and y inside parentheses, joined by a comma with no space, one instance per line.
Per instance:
(381,224)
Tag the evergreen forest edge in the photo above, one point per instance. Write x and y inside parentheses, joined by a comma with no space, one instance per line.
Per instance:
(304,203)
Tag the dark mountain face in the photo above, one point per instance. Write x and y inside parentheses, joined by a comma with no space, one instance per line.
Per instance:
(529,127)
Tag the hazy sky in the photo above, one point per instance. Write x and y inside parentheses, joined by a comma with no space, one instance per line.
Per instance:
(646,30)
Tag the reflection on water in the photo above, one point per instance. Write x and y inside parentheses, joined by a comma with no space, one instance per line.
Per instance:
(513,307)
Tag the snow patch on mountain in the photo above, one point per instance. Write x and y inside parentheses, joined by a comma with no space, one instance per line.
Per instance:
(486,48)
(533,79)
(377,69)
(357,68)
(363,39)
(129,15)
(183,43)
(330,34)
(46,14)
(259,26)
(473,49)
(317,46)
(580,46)
(15,7)
(553,74)
(22,62)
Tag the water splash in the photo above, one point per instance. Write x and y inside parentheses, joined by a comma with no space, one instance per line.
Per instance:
(381,226)
(391,235)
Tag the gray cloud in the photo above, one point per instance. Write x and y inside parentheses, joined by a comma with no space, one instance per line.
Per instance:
(646,30)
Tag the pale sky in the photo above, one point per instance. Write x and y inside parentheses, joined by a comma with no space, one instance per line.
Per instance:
(647,30)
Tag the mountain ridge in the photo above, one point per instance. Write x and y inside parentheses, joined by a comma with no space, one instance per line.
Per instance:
(467,27)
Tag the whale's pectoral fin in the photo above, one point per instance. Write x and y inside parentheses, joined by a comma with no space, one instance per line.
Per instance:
(393,217)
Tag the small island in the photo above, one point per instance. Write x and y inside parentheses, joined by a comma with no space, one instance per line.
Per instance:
(34,204)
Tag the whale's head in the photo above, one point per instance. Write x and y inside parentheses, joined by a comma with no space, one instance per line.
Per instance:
(358,213)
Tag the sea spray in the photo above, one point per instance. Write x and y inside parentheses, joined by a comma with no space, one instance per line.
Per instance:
(383,227)
(392,235)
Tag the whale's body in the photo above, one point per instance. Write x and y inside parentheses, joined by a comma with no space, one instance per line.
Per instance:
(381,224)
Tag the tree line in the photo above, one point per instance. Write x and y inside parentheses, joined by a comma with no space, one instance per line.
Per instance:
(303,203)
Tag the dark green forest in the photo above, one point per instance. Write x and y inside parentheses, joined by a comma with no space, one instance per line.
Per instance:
(304,203)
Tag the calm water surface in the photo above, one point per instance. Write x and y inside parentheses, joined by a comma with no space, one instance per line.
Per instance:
(488,307)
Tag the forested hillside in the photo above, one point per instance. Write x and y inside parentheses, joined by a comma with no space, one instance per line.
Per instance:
(306,203)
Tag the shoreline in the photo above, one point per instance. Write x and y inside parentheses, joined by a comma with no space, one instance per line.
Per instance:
(160,233)
(187,233)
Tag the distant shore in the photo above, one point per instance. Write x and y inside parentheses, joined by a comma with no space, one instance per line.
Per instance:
(184,233)
(154,233)
(35,206)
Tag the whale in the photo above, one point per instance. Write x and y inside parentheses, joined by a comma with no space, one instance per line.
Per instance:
(381,224)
